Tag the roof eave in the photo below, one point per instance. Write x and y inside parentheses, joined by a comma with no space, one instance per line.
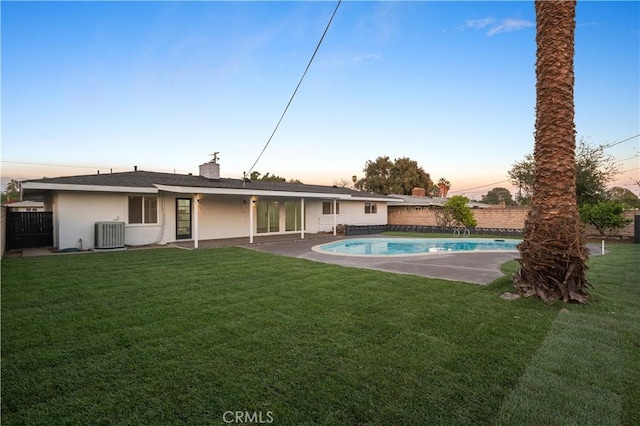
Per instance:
(86,188)
(249,192)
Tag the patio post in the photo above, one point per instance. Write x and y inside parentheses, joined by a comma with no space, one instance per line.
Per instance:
(335,217)
(302,218)
(196,207)
(251,203)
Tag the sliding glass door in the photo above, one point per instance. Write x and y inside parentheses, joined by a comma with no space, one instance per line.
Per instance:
(268,217)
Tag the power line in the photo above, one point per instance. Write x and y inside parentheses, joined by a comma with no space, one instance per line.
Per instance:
(604,146)
(28,163)
(296,89)
(629,158)
(49,164)
(609,145)
(483,186)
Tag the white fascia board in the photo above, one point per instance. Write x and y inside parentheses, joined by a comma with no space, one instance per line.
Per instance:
(369,199)
(87,188)
(249,192)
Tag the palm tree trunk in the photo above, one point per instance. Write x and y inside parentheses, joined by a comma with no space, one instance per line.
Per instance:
(553,251)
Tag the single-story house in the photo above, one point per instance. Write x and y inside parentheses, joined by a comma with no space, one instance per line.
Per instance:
(160,208)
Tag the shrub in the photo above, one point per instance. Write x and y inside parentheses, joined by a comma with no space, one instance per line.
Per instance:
(456,212)
(604,215)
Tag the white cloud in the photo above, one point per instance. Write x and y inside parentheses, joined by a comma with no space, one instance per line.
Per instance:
(479,23)
(494,27)
(509,25)
(367,57)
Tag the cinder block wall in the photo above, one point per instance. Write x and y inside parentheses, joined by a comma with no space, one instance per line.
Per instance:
(508,218)
(627,231)
(411,216)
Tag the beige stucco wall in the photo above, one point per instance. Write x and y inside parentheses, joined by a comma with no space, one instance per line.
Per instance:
(219,216)
(75,215)
(351,213)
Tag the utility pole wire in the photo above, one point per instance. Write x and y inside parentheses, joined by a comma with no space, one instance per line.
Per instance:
(609,145)
(297,87)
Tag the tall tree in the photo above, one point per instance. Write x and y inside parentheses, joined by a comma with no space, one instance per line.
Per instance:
(271,178)
(400,176)
(11,192)
(553,251)
(595,169)
(624,196)
(406,174)
(521,175)
(377,176)
(444,186)
(497,196)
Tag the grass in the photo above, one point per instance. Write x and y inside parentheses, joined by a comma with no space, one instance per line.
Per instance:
(171,336)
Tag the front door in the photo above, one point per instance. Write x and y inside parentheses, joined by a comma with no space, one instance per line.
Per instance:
(183,218)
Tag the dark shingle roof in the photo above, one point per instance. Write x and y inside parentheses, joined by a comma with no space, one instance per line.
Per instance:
(144,179)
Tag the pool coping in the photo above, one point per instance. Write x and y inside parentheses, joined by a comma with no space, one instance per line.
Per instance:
(318,248)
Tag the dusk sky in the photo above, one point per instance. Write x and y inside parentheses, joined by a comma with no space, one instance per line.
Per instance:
(90,86)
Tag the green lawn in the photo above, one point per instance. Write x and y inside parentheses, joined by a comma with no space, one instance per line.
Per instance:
(171,336)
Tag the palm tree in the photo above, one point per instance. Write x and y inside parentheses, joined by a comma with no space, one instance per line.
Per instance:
(553,251)
(12,192)
(444,186)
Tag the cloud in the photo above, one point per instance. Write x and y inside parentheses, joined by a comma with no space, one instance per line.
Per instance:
(367,57)
(479,23)
(494,27)
(509,25)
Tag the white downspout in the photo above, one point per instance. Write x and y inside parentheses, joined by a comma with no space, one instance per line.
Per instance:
(196,207)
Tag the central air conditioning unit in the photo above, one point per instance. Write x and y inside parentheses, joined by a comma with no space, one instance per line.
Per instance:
(109,235)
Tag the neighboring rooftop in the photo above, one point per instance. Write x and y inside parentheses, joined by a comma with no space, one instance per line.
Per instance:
(410,200)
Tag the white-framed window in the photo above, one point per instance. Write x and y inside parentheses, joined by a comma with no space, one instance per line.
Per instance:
(327,207)
(143,209)
(370,208)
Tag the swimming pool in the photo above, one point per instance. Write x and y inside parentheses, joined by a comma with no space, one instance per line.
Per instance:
(414,246)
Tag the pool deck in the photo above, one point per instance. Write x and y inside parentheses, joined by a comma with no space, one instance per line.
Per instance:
(477,267)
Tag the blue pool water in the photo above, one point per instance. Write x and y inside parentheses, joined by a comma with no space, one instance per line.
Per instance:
(412,246)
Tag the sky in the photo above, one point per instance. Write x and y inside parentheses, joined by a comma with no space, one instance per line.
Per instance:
(90,86)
